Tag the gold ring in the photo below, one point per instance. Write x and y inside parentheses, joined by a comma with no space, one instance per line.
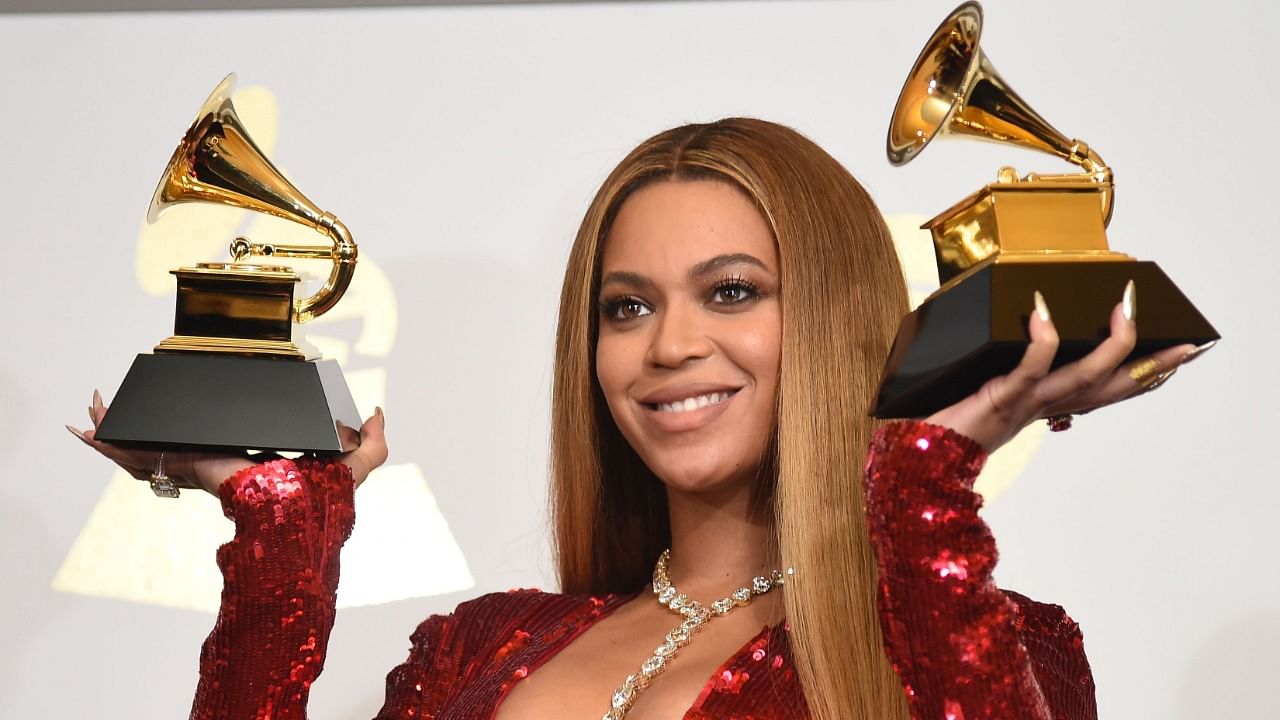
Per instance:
(1146,372)
(161,484)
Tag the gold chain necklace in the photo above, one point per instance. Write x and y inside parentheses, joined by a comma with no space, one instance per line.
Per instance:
(695,616)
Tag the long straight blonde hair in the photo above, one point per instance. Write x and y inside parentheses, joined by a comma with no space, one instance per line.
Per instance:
(842,295)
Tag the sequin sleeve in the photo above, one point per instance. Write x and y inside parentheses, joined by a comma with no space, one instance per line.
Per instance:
(965,650)
(280,580)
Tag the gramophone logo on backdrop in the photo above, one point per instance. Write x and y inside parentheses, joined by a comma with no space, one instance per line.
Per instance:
(135,548)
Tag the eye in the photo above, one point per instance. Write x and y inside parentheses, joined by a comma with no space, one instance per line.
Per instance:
(734,291)
(624,308)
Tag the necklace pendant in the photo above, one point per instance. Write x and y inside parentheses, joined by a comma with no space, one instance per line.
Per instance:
(695,615)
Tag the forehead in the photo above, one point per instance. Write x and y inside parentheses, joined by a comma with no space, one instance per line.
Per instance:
(672,225)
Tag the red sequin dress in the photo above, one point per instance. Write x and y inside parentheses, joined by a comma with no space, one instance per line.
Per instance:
(964,649)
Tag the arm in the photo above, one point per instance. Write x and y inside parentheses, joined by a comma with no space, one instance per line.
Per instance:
(963,648)
(952,635)
(280,576)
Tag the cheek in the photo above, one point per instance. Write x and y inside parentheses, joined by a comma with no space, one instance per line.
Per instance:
(759,350)
(613,366)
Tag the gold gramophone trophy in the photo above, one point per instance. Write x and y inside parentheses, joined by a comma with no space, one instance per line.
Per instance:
(232,376)
(998,246)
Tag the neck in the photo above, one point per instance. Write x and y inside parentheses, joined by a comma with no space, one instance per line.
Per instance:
(717,543)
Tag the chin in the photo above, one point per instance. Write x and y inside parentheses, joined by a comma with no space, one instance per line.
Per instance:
(697,471)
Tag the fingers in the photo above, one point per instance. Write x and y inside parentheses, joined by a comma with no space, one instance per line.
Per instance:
(373,447)
(1033,389)
(1036,361)
(207,471)
(1146,374)
(1135,378)
(133,462)
(137,463)
(1085,377)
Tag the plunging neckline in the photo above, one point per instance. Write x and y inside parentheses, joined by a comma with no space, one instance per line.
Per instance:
(611,604)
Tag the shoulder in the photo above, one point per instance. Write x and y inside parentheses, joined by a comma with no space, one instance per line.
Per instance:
(530,605)
(512,614)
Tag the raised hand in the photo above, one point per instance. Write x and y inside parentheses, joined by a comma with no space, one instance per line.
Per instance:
(206,471)
(1006,404)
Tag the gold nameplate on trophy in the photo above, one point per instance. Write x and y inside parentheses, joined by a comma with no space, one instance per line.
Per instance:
(1013,237)
(233,375)
(234,308)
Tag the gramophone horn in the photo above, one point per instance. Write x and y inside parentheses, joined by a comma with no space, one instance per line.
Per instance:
(218,162)
(953,89)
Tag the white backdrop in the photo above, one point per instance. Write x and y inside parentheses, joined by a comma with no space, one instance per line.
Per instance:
(461,145)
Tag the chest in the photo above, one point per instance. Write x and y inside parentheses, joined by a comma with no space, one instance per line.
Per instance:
(579,681)
(729,670)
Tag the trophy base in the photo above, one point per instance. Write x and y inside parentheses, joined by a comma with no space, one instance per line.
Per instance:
(977,329)
(187,401)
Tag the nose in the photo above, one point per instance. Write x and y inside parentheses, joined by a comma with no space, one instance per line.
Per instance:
(679,337)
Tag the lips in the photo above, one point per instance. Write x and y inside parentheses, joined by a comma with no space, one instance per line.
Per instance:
(686,407)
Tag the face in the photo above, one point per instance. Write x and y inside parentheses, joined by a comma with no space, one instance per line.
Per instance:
(690,339)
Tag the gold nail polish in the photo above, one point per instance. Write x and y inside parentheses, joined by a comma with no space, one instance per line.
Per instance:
(74,431)
(1198,352)
(93,417)
(1042,308)
(97,399)
(1129,305)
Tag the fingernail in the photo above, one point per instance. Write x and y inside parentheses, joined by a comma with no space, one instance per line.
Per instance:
(1161,379)
(381,415)
(93,417)
(74,431)
(1042,308)
(1129,306)
(97,399)
(1198,352)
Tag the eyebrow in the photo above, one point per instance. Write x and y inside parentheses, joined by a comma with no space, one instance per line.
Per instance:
(702,269)
(706,267)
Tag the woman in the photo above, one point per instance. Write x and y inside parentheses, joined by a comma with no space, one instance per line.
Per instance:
(727,307)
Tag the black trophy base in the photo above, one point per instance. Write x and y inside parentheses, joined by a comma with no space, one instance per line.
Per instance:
(232,403)
(957,340)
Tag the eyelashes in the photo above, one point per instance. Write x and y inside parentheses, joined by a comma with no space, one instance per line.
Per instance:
(623,307)
(729,294)
(737,286)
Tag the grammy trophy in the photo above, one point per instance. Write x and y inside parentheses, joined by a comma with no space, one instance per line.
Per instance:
(234,376)
(998,246)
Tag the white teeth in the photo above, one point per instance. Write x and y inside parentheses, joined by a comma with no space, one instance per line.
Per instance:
(694,403)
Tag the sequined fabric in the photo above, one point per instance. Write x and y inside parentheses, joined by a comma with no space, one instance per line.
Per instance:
(280,581)
(964,649)
(462,666)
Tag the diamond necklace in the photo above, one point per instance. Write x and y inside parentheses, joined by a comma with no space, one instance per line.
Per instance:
(695,616)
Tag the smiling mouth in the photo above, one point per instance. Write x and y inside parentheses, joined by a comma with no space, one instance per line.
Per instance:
(693,403)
